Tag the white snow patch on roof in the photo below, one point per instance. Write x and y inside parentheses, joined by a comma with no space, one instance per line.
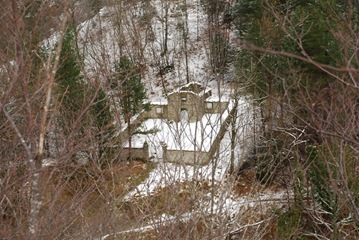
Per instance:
(161,101)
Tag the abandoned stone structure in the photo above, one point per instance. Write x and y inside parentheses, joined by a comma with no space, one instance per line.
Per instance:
(187,104)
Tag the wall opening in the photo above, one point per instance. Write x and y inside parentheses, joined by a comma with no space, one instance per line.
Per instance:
(159,110)
(184,115)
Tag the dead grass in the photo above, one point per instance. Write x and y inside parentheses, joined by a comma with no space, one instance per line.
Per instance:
(191,229)
(174,200)
(123,178)
(257,219)
(78,196)
(247,185)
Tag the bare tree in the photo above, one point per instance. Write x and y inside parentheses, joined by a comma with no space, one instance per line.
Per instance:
(31,137)
(32,132)
(307,75)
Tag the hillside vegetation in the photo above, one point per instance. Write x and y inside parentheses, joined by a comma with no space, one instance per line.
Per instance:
(75,75)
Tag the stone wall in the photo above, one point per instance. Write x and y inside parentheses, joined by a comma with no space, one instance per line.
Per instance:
(199,157)
(186,157)
(136,153)
(215,107)
(192,102)
(155,111)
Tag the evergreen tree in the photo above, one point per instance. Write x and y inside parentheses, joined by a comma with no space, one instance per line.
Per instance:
(72,119)
(102,123)
(68,76)
(75,98)
(132,92)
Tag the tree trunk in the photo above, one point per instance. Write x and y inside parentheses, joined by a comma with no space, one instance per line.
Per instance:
(165,41)
(233,138)
(36,196)
(185,40)
(129,132)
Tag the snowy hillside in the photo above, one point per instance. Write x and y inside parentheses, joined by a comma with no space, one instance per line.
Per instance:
(139,32)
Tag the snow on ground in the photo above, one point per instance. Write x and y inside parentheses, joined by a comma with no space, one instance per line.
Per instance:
(179,135)
(166,174)
(138,32)
(223,203)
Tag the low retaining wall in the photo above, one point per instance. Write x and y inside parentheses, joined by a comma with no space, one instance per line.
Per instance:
(135,153)
(123,136)
(178,156)
(199,157)
(186,157)
(222,131)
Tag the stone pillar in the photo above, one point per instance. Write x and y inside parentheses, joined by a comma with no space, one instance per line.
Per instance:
(164,151)
(146,154)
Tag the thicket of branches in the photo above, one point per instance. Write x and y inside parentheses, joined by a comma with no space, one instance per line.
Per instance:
(50,113)
(300,60)
(297,59)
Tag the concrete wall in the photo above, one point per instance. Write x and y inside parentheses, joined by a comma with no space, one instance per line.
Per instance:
(136,153)
(223,129)
(154,114)
(199,157)
(182,156)
(193,87)
(173,106)
(192,102)
(186,157)
(123,136)
(217,107)
(196,106)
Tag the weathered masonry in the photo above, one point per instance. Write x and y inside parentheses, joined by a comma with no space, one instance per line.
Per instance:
(188,127)
(189,102)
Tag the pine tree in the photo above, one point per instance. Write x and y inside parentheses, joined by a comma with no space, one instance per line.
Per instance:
(102,123)
(68,76)
(75,98)
(132,93)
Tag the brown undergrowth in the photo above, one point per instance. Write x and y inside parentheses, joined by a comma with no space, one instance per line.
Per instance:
(257,217)
(80,198)
(247,184)
(179,197)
